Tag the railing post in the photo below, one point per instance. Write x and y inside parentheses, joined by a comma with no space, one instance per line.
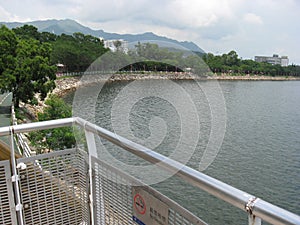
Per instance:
(92,151)
(15,178)
(253,220)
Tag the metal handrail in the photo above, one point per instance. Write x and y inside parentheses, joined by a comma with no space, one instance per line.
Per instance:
(20,137)
(240,199)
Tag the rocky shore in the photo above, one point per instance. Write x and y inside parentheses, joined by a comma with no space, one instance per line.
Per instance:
(69,84)
(252,78)
(65,85)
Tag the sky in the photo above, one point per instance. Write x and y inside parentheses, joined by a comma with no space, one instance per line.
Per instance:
(256,27)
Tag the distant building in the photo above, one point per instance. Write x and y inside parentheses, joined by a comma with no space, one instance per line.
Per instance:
(117,45)
(284,61)
(274,60)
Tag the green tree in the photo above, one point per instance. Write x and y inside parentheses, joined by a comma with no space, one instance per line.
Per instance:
(8,45)
(231,63)
(27,32)
(215,63)
(25,66)
(54,139)
(77,51)
(231,59)
(47,37)
(33,73)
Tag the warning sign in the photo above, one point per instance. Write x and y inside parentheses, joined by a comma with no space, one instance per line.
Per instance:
(147,209)
(139,204)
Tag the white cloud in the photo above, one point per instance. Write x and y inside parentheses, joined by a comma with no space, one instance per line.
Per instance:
(251,18)
(197,14)
(4,15)
(177,13)
(216,25)
(7,16)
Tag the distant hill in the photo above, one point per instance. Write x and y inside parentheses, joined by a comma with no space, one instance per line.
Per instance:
(68,26)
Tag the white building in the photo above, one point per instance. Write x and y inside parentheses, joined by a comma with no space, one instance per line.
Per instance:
(117,45)
(274,60)
(284,61)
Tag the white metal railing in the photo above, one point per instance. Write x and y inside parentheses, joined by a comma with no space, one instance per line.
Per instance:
(256,208)
(20,138)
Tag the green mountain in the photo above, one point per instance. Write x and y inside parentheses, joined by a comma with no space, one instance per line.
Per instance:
(68,26)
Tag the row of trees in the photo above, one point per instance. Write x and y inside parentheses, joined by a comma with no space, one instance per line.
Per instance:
(28,59)
(150,57)
(231,63)
(76,51)
(166,59)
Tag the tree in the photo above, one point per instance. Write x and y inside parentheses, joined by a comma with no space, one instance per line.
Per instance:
(32,74)
(65,51)
(47,37)
(58,138)
(25,66)
(231,58)
(77,51)
(230,63)
(27,32)
(118,45)
(8,45)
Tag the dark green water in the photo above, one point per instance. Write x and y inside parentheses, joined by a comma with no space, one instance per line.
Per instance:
(260,153)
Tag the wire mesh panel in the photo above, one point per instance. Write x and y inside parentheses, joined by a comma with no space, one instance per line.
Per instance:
(111,196)
(121,199)
(7,205)
(54,188)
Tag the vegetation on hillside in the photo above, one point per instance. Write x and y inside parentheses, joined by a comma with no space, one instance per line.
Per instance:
(58,138)
(25,67)
(29,58)
(150,57)
(230,63)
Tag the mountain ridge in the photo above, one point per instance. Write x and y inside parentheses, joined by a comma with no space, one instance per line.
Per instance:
(69,26)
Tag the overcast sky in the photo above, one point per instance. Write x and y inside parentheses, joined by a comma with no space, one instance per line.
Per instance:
(250,27)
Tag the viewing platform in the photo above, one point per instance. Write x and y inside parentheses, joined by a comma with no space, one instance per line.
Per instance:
(76,186)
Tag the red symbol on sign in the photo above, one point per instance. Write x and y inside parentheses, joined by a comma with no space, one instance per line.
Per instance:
(139,204)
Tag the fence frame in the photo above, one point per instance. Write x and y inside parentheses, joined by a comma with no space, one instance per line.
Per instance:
(257,209)
(7,187)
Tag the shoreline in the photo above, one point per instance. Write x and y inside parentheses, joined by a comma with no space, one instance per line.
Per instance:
(254,78)
(68,84)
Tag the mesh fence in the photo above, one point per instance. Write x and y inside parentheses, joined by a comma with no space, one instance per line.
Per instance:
(54,188)
(121,199)
(7,212)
